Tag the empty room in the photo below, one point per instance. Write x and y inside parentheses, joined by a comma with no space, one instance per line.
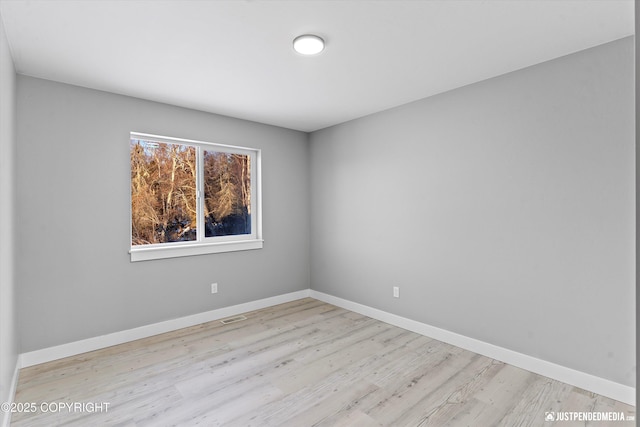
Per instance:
(318,213)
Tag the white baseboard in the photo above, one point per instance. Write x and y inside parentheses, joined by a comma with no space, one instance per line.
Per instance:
(6,415)
(570,376)
(579,379)
(90,344)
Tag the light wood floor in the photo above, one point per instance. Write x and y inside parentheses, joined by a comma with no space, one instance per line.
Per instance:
(303,363)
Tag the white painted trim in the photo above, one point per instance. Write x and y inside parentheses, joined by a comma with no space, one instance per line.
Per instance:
(579,379)
(90,344)
(570,376)
(144,253)
(6,416)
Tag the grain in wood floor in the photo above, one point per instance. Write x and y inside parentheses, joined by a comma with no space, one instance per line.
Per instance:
(304,363)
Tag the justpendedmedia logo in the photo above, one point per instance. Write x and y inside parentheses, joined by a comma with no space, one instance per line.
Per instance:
(587,416)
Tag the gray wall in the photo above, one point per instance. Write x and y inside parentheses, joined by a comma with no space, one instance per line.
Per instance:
(74,276)
(504,210)
(8,334)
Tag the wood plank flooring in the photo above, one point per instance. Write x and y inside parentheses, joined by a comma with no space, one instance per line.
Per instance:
(304,363)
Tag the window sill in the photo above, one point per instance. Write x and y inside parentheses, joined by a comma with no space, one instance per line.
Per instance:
(147,254)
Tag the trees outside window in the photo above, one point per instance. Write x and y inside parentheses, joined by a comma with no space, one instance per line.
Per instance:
(192,192)
(227,193)
(163,192)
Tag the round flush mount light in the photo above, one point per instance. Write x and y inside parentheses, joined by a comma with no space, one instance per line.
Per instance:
(308,44)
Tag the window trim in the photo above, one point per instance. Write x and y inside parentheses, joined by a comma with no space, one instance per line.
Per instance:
(205,245)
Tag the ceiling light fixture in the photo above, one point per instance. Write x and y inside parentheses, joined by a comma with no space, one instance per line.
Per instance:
(308,44)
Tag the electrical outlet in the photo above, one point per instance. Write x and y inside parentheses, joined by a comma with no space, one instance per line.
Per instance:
(214,288)
(396,292)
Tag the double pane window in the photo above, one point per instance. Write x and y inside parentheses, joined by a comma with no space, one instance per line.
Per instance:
(192,193)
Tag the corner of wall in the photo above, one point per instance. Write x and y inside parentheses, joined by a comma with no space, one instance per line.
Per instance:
(8,326)
(637,80)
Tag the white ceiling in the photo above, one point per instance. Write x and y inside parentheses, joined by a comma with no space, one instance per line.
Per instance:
(236,58)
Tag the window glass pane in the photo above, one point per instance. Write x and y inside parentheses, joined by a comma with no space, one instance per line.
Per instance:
(163,192)
(227,194)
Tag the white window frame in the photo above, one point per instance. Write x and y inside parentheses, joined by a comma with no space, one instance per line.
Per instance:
(205,245)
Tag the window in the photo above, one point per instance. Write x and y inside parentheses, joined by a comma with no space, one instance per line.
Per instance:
(192,197)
